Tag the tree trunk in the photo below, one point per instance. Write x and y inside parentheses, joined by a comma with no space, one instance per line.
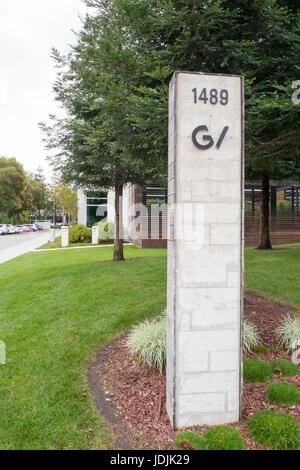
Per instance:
(265,242)
(118,243)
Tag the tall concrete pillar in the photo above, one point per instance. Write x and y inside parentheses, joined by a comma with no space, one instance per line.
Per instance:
(205,249)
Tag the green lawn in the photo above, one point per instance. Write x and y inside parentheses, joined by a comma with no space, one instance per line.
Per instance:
(57,308)
(274,273)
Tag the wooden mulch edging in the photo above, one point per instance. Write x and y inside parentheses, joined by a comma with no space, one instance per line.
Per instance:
(131,396)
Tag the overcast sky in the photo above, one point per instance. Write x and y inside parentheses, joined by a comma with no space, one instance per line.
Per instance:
(28,31)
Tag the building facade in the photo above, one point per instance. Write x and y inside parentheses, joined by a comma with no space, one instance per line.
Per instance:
(145,213)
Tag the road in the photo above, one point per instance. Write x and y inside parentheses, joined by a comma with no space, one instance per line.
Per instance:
(12,246)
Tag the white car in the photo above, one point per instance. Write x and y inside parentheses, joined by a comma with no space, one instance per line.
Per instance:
(18,228)
(11,229)
(3,229)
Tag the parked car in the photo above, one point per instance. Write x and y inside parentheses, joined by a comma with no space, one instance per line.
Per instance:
(36,227)
(19,228)
(3,229)
(31,227)
(26,228)
(11,229)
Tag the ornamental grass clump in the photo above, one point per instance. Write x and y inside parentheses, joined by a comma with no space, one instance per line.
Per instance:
(148,341)
(251,338)
(289,333)
(256,370)
(285,367)
(276,431)
(282,393)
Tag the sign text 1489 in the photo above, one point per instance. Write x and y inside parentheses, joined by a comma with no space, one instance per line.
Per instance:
(212,96)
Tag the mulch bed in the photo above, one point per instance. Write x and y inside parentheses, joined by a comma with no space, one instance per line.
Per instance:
(132,398)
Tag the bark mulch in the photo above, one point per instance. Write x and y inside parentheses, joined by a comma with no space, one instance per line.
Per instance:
(132,398)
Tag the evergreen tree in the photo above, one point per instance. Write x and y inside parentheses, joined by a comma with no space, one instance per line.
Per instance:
(114,87)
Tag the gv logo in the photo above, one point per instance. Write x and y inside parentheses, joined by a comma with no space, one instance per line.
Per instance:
(207,138)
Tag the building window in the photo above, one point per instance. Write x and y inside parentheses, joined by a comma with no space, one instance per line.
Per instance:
(96,207)
(156,196)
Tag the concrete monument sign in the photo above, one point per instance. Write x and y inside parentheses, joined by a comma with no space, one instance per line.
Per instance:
(205,248)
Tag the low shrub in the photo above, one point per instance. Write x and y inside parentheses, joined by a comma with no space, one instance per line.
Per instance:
(289,333)
(216,438)
(149,342)
(256,370)
(223,438)
(283,393)
(287,368)
(251,338)
(276,431)
(80,234)
(189,440)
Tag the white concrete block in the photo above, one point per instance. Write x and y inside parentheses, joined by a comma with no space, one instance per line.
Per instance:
(222,213)
(203,319)
(224,361)
(211,299)
(206,419)
(95,235)
(233,399)
(65,236)
(190,276)
(203,403)
(52,235)
(208,191)
(189,255)
(209,382)
(193,360)
(225,234)
(194,343)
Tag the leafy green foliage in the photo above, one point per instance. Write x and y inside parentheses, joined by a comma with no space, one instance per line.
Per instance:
(283,393)
(12,184)
(223,438)
(277,431)
(289,332)
(189,440)
(251,338)
(80,234)
(149,342)
(256,370)
(285,367)
(215,438)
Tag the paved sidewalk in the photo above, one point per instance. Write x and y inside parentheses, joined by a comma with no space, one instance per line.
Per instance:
(24,243)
